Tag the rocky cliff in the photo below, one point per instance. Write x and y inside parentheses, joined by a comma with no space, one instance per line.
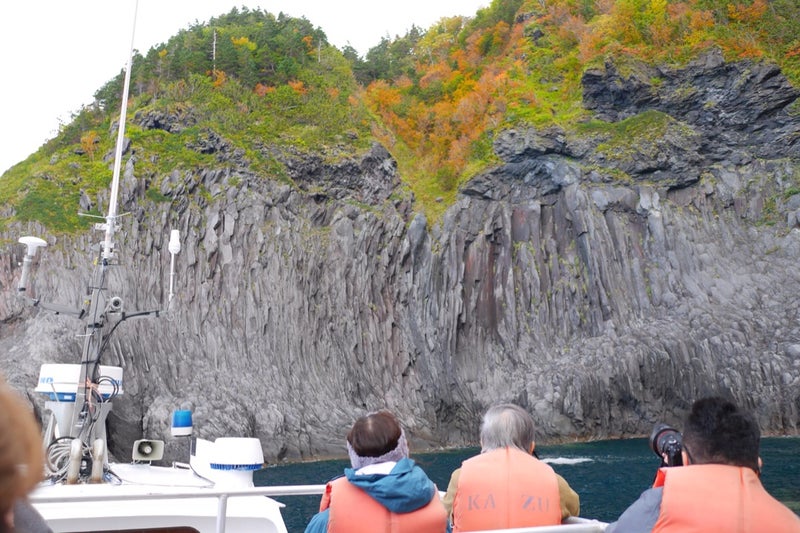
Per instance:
(602,276)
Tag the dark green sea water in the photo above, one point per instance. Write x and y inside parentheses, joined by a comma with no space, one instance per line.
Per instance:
(608,475)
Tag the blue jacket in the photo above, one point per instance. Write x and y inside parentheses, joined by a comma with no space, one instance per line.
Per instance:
(406,488)
(642,514)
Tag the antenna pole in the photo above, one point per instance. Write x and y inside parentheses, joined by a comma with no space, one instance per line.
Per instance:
(111,218)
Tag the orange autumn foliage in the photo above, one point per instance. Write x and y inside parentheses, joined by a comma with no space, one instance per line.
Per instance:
(89,142)
(747,14)
(263,90)
(218,78)
(298,86)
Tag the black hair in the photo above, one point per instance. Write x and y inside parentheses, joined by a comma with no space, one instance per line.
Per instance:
(717,431)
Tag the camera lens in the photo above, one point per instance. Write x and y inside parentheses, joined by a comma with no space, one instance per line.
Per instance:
(658,437)
(667,443)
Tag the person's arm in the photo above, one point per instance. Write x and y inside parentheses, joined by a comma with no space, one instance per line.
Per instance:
(570,501)
(28,519)
(318,522)
(450,495)
(642,514)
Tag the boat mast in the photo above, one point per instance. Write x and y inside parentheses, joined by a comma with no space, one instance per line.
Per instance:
(84,412)
(111,218)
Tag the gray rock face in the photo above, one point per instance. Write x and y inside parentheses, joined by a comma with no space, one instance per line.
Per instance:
(739,107)
(602,306)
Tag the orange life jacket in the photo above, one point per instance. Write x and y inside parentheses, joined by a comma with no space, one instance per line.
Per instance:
(719,499)
(353,511)
(505,488)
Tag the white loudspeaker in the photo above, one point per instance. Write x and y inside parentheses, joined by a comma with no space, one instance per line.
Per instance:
(148,450)
(115,304)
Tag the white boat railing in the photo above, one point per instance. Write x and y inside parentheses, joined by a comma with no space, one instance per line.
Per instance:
(221,495)
(194,492)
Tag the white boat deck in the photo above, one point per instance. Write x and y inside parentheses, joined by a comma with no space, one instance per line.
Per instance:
(148,498)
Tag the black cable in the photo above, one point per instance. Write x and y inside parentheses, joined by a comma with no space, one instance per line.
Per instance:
(106,338)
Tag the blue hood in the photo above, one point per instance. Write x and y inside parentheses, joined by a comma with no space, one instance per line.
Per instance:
(406,488)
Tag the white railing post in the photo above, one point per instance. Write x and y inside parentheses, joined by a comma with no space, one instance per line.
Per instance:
(222,512)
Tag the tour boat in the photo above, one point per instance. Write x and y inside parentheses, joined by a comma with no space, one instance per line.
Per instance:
(213,491)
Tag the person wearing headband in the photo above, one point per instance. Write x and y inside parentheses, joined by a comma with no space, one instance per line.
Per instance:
(383,486)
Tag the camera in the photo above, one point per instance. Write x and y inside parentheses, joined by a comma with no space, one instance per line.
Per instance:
(667,443)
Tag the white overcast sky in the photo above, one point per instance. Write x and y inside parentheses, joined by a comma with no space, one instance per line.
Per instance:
(54,54)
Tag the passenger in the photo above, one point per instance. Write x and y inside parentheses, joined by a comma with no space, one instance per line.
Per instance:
(383,488)
(718,488)
(506,486)
(21,464)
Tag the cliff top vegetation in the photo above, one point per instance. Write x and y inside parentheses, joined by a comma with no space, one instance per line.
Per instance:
(260,84)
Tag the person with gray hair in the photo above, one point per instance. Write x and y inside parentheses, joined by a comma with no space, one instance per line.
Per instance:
(506,425)
(507,486)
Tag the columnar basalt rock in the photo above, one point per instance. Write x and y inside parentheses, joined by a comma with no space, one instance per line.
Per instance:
(602,293)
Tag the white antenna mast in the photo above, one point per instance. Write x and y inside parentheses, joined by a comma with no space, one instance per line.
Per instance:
(111,217)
